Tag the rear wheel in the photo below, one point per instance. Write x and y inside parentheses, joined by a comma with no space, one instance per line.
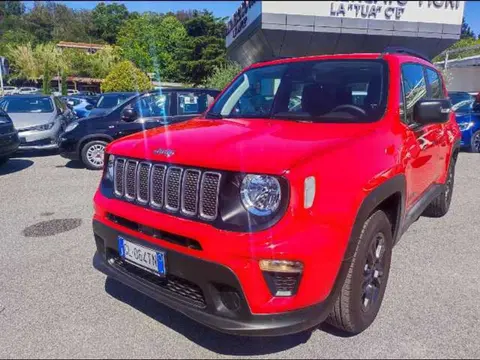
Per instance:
(92,154)
(441,204)
(362,292)
(475,144)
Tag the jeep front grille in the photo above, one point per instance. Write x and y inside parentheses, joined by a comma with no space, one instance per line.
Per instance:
(170,188)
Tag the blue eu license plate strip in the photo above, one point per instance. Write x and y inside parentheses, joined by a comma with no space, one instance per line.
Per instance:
(143,257)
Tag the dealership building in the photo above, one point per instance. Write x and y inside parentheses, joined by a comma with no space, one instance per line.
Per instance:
(262,30)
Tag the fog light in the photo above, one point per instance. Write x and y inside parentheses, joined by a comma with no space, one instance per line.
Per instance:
(281,266)
(282,276)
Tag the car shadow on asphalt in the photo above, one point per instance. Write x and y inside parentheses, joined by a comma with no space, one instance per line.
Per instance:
(210,339)
(34,153)
(73,164)
(15,165)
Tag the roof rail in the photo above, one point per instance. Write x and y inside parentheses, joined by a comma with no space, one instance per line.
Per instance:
(406,51)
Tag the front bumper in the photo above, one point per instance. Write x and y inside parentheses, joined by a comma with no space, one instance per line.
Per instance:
(9,143)
(205,291)
(68,147)
(39,140)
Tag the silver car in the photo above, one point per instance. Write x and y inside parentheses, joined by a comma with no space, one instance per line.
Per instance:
(39,119)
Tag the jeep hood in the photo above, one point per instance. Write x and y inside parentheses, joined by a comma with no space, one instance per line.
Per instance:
(250,145)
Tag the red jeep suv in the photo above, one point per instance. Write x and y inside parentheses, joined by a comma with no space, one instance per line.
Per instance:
(279,207)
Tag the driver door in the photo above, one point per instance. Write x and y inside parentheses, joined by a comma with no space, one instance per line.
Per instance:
(152,110)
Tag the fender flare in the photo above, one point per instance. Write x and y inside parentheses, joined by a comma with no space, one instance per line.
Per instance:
(99,136)
(392,186)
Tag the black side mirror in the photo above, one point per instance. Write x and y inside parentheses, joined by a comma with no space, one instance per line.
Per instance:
(129,114)
(432,111)
(89,107)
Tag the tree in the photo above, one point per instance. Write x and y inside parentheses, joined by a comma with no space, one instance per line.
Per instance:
(151,42)
(204,49)
(9,8)
(108,18)
(466,32)
(125,76)
(223,75)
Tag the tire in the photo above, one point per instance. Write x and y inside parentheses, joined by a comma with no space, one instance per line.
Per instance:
(441,204)
(475,142)
(3,160)
(362,293)
(92,154)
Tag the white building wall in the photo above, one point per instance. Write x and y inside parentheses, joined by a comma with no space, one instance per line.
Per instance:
(463,79)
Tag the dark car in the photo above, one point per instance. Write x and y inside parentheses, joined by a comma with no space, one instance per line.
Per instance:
(108,101)
(467,111)
(85,139)
(9,140)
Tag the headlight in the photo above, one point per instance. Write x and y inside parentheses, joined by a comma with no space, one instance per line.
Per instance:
(260,194)
(40,127)
(466,126)
(109,166)
(71,126)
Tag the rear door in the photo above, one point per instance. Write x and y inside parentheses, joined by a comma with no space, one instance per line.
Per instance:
(421,157)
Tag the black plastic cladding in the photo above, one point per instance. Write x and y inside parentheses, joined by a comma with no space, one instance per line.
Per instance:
(244,222)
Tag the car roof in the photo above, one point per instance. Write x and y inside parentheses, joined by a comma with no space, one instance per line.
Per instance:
(353,56)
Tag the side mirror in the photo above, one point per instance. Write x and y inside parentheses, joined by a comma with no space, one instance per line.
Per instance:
(89,107)
(129,114)
(432,111)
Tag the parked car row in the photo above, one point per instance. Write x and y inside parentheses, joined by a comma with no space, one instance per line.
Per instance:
(13,90)
(81,126)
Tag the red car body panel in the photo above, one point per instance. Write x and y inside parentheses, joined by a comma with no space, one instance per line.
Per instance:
(348,161)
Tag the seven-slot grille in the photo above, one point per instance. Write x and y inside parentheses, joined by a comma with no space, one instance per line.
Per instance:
(191,192)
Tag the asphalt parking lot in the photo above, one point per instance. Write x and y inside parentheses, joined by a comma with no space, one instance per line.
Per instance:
(54,304)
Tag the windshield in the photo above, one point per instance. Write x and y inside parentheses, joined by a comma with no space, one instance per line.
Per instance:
(27,105)
(461,101)
(110,101)
(317,91)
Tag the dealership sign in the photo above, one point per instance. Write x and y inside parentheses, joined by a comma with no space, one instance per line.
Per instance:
(385,10)
(247,12)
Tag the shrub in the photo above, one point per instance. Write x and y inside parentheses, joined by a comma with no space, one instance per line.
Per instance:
(125,76)
(222,75)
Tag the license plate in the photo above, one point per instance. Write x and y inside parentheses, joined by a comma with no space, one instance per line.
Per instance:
(145,258)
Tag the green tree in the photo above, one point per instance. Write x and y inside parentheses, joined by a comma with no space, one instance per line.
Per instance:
(223,75)
(9,8)
(108,18)
(204,49)
(151,42)
(466,32)
(125,76)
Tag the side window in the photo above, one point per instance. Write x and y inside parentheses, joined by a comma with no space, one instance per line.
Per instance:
(190,102)
(436,86)
(402,103)
(414,88)
(153,105)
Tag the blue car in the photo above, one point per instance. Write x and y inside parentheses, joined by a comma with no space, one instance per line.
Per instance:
(467,111)
(81,107)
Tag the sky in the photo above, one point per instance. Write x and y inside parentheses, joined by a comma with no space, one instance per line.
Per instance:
(227,8)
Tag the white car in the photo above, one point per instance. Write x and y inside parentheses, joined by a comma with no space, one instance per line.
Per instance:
(10,90)
(28,90)
(72,92)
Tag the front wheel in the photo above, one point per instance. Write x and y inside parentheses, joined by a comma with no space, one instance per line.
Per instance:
(475,143)
(92,154)
(362,292)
